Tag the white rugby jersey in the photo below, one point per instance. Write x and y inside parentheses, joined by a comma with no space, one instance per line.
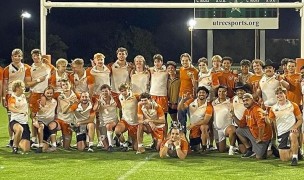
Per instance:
(120,75)
(63,99)
(107,112)
(152,113)
(81,83)
(129,109)
(81,114)
(238,107)
(159,80)
(285,117)
(197,113)
(39,72)
(15,74)
(268,85)
(140,82)
(22,105)
(58,81)
(47,113)
(101,77)
(221,114)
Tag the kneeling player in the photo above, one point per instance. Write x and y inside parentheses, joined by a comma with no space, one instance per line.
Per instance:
(18,107)
(128,121)
(84,118)
(44,121)
(288,118)
(200,114)
(151,119)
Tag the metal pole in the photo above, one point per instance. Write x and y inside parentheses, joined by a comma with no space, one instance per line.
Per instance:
(191,43)
(191,5)
(22,34)
(43,14)
(302,31)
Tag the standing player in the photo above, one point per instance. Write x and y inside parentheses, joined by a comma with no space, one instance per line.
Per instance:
(36,78)
(18,107)
(188,79)
(120,72)
(207,78)
(14,71)
(151,119)
(57,75)
(245,73)
(294,93)
(159,80)
(140,76)
(253,81)
(80,80)
(226,77)
(173,90)
(128,122)
(288,118)
(84,121)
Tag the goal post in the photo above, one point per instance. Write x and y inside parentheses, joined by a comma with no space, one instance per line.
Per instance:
(45,5)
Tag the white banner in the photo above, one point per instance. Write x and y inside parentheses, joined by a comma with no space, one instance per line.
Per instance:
(237,23)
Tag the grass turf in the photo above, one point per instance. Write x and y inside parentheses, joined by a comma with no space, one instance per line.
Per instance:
(127,165)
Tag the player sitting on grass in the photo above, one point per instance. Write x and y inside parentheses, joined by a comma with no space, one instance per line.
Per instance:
(175,144)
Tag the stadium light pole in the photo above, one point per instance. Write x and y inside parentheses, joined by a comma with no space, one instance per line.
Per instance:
(24,15)
(191,24)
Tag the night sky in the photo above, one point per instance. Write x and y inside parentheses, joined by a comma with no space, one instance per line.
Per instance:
(64,21)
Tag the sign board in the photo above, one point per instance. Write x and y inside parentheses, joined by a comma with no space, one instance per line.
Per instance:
(236,18)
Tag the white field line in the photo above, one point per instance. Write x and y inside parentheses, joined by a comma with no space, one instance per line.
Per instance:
(135,168)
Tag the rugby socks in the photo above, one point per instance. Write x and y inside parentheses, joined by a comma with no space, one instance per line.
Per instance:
(110,137)
(295,156)
(54,144)
(91,144)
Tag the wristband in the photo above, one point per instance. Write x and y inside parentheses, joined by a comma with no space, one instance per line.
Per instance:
(38,80)
(177,147)
(167,145)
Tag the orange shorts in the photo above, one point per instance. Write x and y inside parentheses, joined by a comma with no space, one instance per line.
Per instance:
(116,99)
(195,132)
(158,133)
(162,101)
(65,127)
(132,129)
(34,102)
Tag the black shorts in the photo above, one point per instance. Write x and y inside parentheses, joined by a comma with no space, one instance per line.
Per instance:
(26,134)
(81,137)
(171,111)
(46,132)
(195,141)
(284,141)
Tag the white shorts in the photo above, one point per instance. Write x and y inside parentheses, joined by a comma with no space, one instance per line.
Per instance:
(219,134)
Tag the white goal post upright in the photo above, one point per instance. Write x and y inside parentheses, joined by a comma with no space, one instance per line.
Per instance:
(45,5)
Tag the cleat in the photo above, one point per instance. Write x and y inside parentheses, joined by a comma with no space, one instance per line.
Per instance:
(15,150)
(275,151)
(124,149)
(294,162)
(231,152)
(100,145)
(249,154)
(51,149)
(39,150)
(10,144)
(110,149)
(140,150)
(90,149)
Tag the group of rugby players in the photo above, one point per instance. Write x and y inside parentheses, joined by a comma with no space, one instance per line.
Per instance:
(258,111)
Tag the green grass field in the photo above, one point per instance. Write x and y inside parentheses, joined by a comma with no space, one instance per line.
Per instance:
(118,165)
